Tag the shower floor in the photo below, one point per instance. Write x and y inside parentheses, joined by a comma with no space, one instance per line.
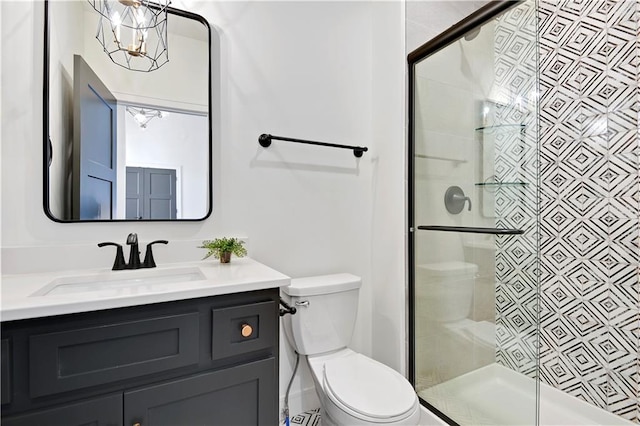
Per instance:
(496,395)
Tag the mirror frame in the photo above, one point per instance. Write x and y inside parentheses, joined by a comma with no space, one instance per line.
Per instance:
(47,147)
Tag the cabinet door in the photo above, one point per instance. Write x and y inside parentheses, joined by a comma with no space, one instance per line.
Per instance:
(227,327)
(244,395)
(105,411)
(92,356)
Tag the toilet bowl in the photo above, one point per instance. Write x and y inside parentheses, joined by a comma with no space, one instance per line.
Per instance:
(353,389)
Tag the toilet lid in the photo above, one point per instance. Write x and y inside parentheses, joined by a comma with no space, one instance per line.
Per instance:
(368,387)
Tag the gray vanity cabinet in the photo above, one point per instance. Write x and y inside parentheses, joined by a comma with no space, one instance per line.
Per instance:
(227,397)
(205,361)
(5,372)
(104,411)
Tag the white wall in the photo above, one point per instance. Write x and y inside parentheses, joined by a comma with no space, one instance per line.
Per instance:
(388,239)
(300,69)
(425,19)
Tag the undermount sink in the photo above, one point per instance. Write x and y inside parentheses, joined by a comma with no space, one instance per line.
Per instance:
(120,282)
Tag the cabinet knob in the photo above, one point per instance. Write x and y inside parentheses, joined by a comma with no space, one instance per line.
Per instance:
(246,330)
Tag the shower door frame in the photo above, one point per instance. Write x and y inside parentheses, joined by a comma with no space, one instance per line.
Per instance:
(481,16)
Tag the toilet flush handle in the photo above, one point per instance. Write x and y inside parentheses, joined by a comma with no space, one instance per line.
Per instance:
(286,308)
(302,303)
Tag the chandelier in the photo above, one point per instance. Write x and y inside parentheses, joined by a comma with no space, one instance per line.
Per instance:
(144,115)
(133,33)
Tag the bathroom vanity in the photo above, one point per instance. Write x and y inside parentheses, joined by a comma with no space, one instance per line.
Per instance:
(200,352)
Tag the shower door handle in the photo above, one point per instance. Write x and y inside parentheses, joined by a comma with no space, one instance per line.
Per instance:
(472,230)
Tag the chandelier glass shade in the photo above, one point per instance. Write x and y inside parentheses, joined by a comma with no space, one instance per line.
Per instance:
(144,115)
(133,33)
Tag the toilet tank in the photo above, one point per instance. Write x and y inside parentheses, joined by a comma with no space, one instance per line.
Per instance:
(327,307)
(444,291)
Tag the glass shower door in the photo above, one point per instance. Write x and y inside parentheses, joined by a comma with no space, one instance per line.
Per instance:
(473,219)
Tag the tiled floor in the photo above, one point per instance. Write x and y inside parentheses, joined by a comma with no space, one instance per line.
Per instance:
(308,418)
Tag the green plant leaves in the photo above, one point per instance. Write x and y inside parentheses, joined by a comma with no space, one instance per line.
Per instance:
(223,245)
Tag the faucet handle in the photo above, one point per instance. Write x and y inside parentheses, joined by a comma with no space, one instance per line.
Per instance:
(149,262)
(119,264)
(132,238)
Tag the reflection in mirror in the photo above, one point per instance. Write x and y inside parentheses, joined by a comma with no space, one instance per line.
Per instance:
(122,144)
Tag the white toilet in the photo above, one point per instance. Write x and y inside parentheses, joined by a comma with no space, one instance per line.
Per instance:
(353,389)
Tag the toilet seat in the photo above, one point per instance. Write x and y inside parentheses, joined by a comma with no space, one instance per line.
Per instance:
(368,390)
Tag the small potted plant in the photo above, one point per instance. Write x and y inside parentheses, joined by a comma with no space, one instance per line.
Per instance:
(221,248)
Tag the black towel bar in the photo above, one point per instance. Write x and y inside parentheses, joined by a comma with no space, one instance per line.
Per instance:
(265,140)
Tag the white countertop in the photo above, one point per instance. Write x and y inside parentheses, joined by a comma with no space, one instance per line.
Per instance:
(24,296)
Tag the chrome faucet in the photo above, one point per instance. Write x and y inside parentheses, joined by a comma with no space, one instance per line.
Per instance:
(134,254)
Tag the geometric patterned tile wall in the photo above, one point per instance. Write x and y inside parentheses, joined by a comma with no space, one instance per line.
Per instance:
(515,174)
(589,201)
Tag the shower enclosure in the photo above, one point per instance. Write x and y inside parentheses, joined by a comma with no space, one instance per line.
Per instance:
(473,218)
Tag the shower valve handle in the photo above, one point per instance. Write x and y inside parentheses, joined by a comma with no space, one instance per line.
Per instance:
(462,199)
(454,200)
